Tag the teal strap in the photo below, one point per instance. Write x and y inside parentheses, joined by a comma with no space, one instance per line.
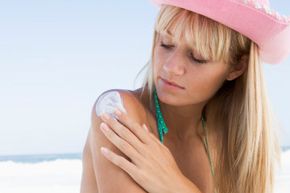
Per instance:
(162,128)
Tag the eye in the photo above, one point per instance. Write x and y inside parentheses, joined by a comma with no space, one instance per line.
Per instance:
(197,60)
(165,46)
(168,47)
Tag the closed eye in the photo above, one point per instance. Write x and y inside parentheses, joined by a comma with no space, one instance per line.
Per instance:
(168,47)
(197,60)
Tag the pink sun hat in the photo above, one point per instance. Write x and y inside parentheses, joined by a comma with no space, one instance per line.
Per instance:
(252,18)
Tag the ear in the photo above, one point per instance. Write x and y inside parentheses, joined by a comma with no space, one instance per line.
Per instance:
(238,69)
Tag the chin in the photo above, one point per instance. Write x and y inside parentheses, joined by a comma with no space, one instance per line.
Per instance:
(168,97)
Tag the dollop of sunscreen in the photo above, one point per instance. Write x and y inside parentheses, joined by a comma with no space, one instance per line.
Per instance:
(108,102)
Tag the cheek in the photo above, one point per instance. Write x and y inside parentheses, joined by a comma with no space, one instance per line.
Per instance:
(157,64)
(204,84)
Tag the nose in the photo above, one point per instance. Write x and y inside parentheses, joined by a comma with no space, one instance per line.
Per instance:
(174,64)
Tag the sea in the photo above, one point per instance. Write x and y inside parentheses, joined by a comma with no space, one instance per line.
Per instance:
(61,173)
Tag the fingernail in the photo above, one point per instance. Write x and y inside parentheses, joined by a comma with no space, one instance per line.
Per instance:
(105,116)
(145,127)
(104,150)
(104,126)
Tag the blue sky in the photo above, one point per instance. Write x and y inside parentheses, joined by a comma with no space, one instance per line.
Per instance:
(57,56)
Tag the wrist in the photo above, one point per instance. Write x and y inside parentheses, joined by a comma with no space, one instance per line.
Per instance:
(184,185)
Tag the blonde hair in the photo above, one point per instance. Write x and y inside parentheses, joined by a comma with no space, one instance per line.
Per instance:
(249,148)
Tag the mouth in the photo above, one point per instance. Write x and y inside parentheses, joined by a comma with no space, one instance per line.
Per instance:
(171,83)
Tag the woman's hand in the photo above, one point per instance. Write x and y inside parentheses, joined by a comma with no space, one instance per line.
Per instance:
(151,163)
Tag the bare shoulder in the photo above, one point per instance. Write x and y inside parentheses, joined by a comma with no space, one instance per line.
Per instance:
(125,100)
(105,171)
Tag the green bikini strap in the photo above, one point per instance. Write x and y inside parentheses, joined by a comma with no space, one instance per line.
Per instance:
(162,128)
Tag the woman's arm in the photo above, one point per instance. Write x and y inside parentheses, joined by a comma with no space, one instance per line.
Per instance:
(110,178)
(88,181)
(153,174)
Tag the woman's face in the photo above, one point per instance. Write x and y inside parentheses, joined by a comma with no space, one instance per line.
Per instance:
(197,79)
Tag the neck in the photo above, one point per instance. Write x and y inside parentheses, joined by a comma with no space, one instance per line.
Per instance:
(183,122)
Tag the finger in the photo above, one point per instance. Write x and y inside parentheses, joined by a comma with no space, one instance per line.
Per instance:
(151,134)
(124,132)
(133,126)
(121,144)
(121,162)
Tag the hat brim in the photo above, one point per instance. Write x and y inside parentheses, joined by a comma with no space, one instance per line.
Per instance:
(271,34)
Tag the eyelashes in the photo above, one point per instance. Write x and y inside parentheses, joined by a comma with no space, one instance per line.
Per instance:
(165,46)
(168,47)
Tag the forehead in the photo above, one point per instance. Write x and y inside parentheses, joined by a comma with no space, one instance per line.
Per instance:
(167,34)
(164,35)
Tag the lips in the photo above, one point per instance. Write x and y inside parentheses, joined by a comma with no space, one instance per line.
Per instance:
(172,83)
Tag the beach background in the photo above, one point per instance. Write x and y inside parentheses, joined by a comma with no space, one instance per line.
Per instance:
(56,57)
(61,173)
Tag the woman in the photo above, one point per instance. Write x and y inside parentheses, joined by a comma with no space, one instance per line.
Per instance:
(201,121)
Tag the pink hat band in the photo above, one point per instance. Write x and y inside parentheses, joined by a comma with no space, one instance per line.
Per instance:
(252,18)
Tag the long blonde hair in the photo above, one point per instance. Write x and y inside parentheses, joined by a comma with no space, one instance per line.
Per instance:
(249,148)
